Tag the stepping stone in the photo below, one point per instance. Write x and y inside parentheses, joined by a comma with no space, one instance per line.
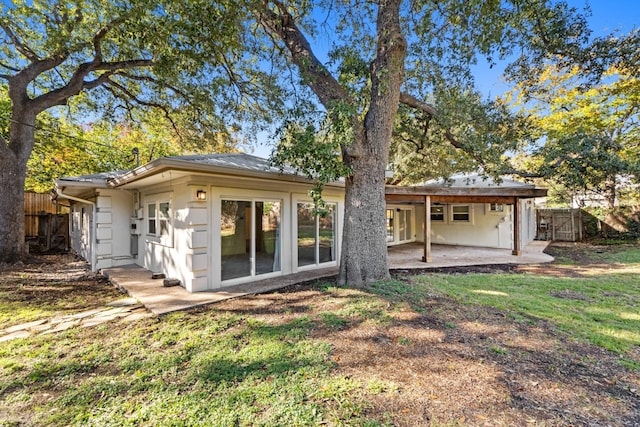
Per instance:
(40,328)
(14,335)
(125,302)
(94,321)
(112,312)
(84,314)
(61,327)
(25,326)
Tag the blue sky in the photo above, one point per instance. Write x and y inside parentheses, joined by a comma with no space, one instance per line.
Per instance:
(606,17)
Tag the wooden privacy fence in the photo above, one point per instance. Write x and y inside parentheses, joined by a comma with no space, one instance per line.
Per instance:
(559,224)
(46,228)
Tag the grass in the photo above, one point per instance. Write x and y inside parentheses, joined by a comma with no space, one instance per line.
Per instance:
(601,308)
(210,368)
(234,368)
(22,302)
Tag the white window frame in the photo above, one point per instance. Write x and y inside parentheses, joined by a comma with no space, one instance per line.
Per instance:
(398,212)
(452,214)
(157,236)
(444,214)
(337,231)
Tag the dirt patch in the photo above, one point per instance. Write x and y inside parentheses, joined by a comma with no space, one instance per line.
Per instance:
(461,365)
(54,284)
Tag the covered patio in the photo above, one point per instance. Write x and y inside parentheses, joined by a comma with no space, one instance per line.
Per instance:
(410,256)
(452,202)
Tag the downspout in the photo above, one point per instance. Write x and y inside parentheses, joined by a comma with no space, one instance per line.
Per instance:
(94,227)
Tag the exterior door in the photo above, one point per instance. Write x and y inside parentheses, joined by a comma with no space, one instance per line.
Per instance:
(250,239)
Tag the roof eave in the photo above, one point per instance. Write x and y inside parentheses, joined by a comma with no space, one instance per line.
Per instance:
(522,192)
(163,164)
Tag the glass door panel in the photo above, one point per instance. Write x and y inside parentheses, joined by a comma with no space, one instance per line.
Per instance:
(402,225)
(390,230)
(267,237)
(306,234)
(326,234)
(235,239)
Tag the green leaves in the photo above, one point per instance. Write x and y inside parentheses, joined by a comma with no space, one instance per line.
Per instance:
(314,149)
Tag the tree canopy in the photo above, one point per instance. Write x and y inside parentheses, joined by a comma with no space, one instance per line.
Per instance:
(587,137)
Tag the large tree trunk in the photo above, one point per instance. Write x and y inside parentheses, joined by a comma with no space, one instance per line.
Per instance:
(13,169)
(364,243)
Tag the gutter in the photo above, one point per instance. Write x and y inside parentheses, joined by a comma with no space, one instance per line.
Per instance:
(94,227)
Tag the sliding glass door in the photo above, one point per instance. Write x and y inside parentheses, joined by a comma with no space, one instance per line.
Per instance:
(250,238)
(400,227)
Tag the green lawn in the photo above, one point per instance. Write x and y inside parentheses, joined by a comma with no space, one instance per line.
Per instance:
(253,365)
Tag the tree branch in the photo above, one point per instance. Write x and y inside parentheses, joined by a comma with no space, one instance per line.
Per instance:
(25,50)
(414,102)
(8,67)
(124,65)
(99,36)
(77,83)
(315,75)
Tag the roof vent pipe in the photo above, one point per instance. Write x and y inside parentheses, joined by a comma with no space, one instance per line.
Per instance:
(136,155)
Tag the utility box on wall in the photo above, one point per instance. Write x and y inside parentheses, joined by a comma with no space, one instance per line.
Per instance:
(136,226)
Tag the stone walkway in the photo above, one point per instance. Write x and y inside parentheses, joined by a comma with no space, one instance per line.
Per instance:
(127,310)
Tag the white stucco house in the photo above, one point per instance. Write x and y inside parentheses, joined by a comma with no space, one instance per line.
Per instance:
(217,220)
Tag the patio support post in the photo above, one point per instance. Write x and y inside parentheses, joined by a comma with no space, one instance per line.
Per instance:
(516,228)
(427,229)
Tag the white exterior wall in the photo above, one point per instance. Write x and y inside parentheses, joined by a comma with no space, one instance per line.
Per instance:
(485,229)
(192,254)
(113,228)
(528,226)
(81,220)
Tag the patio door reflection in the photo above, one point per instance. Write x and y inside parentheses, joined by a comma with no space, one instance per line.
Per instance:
(316,234)
(249,238)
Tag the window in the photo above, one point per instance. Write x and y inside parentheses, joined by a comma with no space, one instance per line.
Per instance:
(496,207)
(151,219)
(159,220)
(316,234)
(460,213)
(164,219)
(437,213)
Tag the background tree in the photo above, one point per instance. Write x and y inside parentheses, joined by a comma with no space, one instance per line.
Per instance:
(471,135)
(588,136)
(67,149)
(109,57)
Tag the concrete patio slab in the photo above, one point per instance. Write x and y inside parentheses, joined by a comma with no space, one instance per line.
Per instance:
(137,281)
(409,256)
